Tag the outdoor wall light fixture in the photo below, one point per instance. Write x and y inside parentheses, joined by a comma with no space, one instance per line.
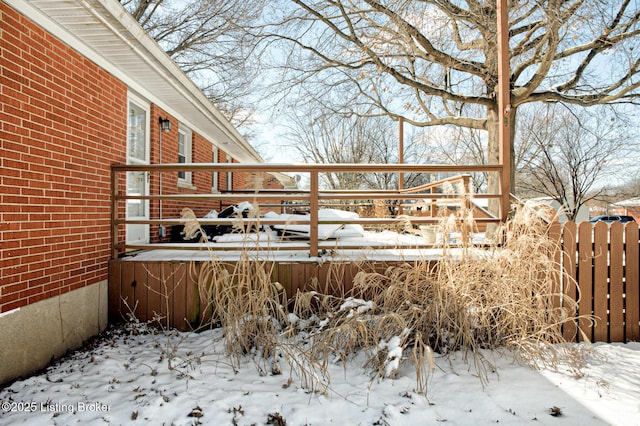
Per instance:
(165,124)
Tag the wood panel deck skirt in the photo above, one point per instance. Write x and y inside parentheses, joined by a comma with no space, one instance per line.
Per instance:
(168,291)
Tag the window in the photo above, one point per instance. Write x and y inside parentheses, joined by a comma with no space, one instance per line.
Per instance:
(137,134)
(214,174)
(138,181)
(184,153)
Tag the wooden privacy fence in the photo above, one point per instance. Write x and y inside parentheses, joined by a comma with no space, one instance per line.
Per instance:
(599,265)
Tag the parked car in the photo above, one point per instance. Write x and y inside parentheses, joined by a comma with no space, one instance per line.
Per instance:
(612,218)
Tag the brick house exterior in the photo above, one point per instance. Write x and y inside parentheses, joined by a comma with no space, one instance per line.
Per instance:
(629,207)
(72,73)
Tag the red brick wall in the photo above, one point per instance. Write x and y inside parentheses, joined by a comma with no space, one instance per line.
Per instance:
(635,212)
(62,123)
(628,211)
(201,182)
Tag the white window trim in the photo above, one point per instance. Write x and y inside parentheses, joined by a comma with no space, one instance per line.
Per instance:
(144,105)
(215,175)
(186,181)
(229,176)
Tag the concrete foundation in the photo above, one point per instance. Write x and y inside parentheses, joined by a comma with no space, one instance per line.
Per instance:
(30,336)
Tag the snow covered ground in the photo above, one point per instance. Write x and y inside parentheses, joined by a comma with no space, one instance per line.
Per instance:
(125,379)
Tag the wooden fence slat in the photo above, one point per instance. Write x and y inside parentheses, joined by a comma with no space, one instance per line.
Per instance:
(350,274)
(307,273)
(140,291)
(585,277)
(616,302)
(299,271)
(166,290)
(324,276)
(569,291)
(192,308)
(555,233)
(283,273)
(600,284)
(127,300)
(206,309)
(632,283)
(154,296)
(335,277)
(179,296)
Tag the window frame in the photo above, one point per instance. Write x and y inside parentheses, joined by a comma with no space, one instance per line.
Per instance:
(229,176)
(186,135)
(138,233)
(215,178)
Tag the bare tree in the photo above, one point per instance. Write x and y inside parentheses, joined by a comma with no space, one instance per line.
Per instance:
(574,156)
(331,138)
(630,188)
(434,62)
(207,40)
(457,145)
(323,136)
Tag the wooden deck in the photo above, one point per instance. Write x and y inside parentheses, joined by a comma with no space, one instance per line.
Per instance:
(160,278)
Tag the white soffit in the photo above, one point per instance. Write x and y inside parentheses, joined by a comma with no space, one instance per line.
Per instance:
(104,32)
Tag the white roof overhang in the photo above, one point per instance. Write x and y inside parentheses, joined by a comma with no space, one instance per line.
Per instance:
(631,202)
(104,32)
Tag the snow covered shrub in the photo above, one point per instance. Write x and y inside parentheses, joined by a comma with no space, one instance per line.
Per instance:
(473,299)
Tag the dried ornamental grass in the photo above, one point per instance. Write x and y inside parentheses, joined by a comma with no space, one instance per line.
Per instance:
(471,299)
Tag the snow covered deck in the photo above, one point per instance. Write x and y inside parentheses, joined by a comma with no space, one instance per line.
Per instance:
(164,281)
(385,246)
(300,251)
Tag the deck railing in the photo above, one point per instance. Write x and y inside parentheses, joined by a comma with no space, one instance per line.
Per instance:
(312,198)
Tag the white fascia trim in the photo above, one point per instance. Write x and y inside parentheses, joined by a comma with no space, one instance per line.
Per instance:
(33,13)
(172,73)
(148,50)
